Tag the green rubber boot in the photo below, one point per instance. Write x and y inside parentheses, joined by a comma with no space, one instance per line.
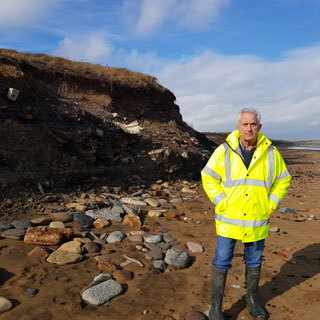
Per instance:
(218,283)
(252,282)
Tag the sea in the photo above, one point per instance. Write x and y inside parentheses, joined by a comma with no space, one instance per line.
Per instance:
(305,148)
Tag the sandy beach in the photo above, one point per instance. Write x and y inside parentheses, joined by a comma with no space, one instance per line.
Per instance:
(289,286)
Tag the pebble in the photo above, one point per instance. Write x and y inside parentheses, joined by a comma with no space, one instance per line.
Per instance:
(132,221)
(5,304)
(139,247)
(195,315)
(235,286)
(287,210)
(101,223)
(15,234)
(42,220)
(57,224)
(102,276)
(122,275)
(135,238)
(83,220)
(102,292)
(194,247)
(159,264)
(5,226)
(274,229)
(62,216)
(153,238)
(152,202)
(117,207)
(154,255)
(62,257)
(164,245)
(92,247)
(21,224)
(155,213)
(134,201)
(115,237)
(176,200)
(39,252)
(31,292)
(177,258)
(71,246)
(168,238)
(131,211)
(47,236)
(105,214)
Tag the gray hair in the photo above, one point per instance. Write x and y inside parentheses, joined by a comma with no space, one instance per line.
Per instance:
(249,110)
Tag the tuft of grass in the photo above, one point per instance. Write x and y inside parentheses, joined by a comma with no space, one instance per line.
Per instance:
(120,76)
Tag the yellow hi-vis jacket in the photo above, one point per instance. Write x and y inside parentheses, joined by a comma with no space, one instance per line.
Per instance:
(245,198)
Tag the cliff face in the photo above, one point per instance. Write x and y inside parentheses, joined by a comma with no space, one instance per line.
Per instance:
(75,123)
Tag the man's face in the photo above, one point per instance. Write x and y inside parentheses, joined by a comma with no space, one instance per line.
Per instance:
(248,127)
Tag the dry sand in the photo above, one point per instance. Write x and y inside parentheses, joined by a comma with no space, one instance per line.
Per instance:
(289,286)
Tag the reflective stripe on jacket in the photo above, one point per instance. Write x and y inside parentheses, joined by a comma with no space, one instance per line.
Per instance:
(245,198)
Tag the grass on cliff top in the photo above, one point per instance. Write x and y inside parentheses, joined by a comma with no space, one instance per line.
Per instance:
(85,69)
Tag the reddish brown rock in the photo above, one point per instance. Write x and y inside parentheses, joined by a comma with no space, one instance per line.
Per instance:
(106,264)
(47,236)
(171,214)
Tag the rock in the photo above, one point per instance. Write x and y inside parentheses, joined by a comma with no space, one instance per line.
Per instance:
(159,264)
(164,245)
(136,238)
(131,211)
(274,229)
(102,292)
(106,264)
(102,276)
(154,255)
(151,246)
(72,205)
(117,207)
(5,304)
(83,220)
(177,258)
(187,190)
(92,247)
(168,238)
(71,246)
(39,252)
(15,234)
(195,315)
(152,202)
(31,292)
(137,233)
(81,208)
(57,224)
(42,220)
(122,275)
(155,213)
(62,216)
(101,223)
(132,221)
(47,236)
(287,210)
(105,214)
(21,224)
(176,200)
(5,226)
(115,237)
(62,257)
(171,214)
(134,201)
(153,239)
(194,247)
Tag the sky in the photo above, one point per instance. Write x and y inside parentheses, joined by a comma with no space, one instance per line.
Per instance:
(216,56)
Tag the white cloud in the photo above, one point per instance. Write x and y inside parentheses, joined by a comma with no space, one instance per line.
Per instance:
(190,14)
(211,88)
(90,47)
(22,13)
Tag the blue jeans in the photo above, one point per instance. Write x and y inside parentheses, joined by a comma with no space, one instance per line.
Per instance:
(224,253)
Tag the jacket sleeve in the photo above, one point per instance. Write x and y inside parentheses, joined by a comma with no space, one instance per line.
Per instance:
(211,178)
(280,183)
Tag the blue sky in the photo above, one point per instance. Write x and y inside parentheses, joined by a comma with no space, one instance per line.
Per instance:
(216,56)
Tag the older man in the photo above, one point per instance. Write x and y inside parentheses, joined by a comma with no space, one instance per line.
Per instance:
(245,178)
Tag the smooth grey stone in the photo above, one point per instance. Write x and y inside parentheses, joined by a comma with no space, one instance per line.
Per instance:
(156,238)
(83,220)
(164,230)
(159,264)
(130,210)
(137,194)
(21,224)
(287,210)
(105,214)
(116,236)
(135,201)
(5,226)
(102,292)
(177,258)
(174,243)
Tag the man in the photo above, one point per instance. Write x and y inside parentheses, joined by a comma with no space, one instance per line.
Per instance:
(245,178)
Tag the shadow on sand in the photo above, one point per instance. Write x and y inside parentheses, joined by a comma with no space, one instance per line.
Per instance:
(303,265)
